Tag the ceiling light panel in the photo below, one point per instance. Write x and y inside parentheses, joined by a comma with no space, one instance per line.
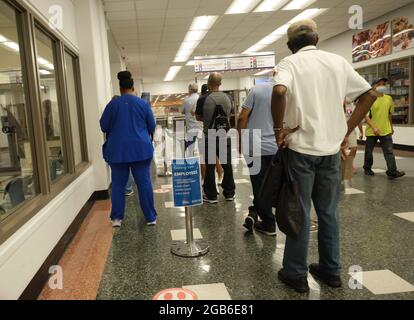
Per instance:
(299,4)
(242,6)
(271,5)
(172,73)
(198,30)
(281,31)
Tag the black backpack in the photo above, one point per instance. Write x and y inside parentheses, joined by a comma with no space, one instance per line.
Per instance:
(220,121)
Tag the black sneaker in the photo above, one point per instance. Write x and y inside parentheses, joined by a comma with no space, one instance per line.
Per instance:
(329,279)
(369,172)
(265,229)
(396,175)
(299,284)
(210,201)
(251,219)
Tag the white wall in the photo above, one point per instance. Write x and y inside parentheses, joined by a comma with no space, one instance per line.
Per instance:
(22,254)
(342,45)
(42,7)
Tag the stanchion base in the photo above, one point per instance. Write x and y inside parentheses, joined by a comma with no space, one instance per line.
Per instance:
(196,249)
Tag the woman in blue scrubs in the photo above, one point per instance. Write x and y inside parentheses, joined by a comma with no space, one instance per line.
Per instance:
(129,123)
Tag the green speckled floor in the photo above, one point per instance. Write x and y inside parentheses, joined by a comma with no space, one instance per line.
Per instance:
(140,263)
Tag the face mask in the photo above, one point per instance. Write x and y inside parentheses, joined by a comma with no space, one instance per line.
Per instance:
(382,89)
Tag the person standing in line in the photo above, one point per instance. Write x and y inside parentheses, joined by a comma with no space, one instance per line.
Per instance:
(256,115)
(380,127)
(310,126)
(206,109)
(129,191)
(349,108)
(128,123)
(201,147)
(188,109)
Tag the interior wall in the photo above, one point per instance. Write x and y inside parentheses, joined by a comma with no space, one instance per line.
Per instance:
(342,45)
(42,7)
(25,251)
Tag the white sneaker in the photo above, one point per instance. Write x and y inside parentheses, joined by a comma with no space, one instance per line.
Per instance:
(129,193)
(116,223)
(154,223)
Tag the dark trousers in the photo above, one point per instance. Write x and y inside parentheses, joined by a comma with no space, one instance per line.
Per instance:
(265,212)
(221,149)
(319,180)
(387,148)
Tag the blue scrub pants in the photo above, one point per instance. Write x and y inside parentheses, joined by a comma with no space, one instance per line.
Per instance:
(141,172)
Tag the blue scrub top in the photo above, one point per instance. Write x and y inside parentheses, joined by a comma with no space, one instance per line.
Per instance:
(128,123)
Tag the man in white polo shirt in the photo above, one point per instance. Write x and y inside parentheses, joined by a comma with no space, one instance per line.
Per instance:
(307,108)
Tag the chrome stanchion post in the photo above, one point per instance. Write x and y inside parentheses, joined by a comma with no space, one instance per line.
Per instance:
(190,248)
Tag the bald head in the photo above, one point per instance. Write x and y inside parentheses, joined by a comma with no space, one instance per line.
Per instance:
(214,81)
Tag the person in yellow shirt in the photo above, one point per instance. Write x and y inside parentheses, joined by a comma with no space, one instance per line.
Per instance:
(379,127)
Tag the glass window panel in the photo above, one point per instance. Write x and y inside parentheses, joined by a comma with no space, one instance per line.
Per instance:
(73,107)
(50,105)
(17,183)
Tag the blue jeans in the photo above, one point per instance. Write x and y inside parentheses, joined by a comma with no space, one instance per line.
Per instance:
(319,180)
(142,176)
(387,148)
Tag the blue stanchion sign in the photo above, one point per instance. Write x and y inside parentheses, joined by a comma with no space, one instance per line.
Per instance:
(186,182)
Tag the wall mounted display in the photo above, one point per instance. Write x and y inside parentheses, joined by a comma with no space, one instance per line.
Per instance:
(361,46)
(403,34)
(381,43)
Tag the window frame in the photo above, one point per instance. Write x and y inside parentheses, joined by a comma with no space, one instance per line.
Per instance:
(27,21)
(61,99)
(79,104)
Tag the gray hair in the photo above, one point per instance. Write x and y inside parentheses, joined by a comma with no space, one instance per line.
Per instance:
(193,87)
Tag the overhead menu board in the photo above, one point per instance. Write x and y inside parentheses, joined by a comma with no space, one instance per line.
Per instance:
(234,63)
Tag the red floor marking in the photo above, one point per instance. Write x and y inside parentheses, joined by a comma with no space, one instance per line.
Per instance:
(175,294)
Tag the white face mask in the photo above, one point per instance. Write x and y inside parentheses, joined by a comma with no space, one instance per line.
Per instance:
(382,89)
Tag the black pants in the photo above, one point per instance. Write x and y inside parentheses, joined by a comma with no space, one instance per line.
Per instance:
(212,151)
(387,148)
(265,212)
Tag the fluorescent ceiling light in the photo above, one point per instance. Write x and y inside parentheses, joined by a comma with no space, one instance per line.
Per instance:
(264,72)
(181,59)
(11,45)
(242,6)
(3,39)
(299,4)
(271,5)
(172,73)
(190,63)
(307,14)
(281,31)
(194,36)
(189,45)
(203,23)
